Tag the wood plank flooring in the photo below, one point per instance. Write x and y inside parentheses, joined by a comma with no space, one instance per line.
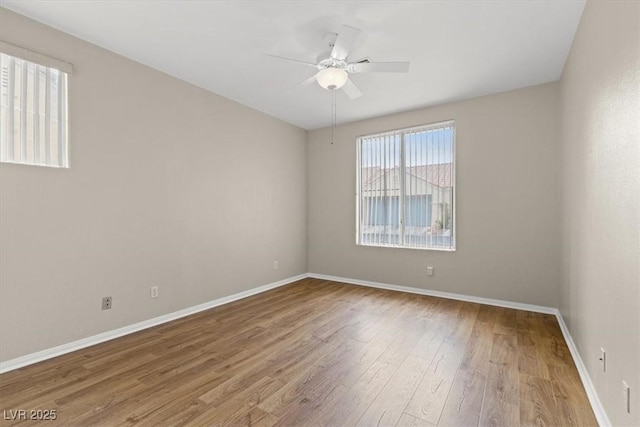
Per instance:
(317,353)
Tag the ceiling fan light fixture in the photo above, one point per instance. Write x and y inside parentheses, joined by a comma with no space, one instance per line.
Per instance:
(332,78)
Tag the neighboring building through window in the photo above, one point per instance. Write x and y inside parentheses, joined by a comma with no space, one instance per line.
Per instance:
(406,188)
(33,110)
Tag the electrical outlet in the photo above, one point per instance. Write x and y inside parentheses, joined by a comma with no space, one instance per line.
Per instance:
(603,359)
(429,271)
(106,303)
(275,265)
(626,396)
(154,292)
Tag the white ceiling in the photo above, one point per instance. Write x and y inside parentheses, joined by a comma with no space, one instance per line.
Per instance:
(457,49)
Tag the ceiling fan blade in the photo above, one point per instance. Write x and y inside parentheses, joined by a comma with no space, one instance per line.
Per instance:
(292,60)
(345,42)
(306,82)
(351,90)
(379,67)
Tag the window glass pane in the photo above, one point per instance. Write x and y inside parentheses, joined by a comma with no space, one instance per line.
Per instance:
(380,175)
(406,192)
(33,124)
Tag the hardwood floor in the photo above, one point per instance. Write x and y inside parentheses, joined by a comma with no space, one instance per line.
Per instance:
(317,353)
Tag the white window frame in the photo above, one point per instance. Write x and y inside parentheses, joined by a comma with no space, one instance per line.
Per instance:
(358,198)
(40,63)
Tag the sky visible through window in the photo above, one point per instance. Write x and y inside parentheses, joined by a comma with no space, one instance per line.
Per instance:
(421,148)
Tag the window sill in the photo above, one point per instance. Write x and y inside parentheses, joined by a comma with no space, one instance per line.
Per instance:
(407,247)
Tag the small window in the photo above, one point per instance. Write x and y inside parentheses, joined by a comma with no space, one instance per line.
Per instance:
(33,113)
(406,188)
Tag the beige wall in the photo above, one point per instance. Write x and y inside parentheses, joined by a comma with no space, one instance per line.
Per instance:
(147,201)
(508,243)
(600,98)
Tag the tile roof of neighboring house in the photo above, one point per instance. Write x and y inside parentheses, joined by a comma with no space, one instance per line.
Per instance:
(439,174)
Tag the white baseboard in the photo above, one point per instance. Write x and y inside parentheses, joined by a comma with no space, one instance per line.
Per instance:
(439,294)
(39,356)
(596,405)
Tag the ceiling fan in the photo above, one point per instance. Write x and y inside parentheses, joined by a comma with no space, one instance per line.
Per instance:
(334,67)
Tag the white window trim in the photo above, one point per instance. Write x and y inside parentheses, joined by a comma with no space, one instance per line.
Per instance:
(454,205)
(38,58)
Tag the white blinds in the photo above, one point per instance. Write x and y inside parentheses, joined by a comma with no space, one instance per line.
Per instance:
(406,181)
(33,113)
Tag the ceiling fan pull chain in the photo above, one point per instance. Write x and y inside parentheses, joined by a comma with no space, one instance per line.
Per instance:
(333,114)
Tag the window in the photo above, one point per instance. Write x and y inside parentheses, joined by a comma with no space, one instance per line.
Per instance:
(33,108)
(405,188)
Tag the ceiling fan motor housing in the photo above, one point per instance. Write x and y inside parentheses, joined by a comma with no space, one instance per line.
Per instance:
(326,61)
